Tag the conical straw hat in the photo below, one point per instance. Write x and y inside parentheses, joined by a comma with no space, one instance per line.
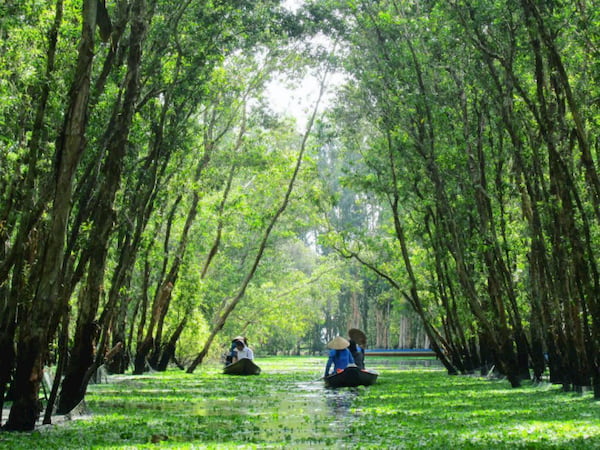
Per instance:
(358,336)
(338,343)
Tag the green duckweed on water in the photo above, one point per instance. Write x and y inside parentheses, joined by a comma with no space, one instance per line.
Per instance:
(287,406)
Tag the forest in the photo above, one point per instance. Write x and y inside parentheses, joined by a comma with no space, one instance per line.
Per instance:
(437,187)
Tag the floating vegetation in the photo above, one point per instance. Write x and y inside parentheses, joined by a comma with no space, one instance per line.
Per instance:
(287,406)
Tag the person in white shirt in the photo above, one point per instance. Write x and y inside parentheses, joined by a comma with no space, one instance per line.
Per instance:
(242,351)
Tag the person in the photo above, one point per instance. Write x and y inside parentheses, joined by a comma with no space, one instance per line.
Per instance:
(242,351)
(230,357)
(339,355)
(358,353)
(231,354)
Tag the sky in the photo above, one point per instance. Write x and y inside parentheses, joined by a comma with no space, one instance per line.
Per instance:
(298,101)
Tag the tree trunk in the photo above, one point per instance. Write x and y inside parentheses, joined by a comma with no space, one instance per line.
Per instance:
(8,356)
(63,356)
(33,341)
(161,302)
(168,350)
(145,346)
(10,300)
(82,356)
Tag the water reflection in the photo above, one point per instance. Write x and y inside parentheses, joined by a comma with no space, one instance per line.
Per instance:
(339,401)
(309,414)
(334,403)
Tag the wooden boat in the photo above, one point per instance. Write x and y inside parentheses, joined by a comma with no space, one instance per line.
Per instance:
(350,377)
(243,366)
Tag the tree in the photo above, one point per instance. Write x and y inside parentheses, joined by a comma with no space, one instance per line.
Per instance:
(33,339)
(230,304)
(497,108)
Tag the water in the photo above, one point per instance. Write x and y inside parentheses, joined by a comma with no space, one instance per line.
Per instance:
(303,413)
(306,413)
(286,406)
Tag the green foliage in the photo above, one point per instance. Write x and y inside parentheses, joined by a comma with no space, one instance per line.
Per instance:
(287,298)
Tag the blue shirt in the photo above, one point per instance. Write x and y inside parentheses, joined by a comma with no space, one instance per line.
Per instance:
(340,360)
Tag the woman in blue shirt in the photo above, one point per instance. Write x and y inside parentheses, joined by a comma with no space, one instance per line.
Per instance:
(339,355)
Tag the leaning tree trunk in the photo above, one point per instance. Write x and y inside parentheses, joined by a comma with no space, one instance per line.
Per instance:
(168,350)
(8,314)
(33,337)
(394,202)
(140,206)
(119,361)
(83,352)
(8,353)
(160,306)
(145,346)
(460,354)
(151,343)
